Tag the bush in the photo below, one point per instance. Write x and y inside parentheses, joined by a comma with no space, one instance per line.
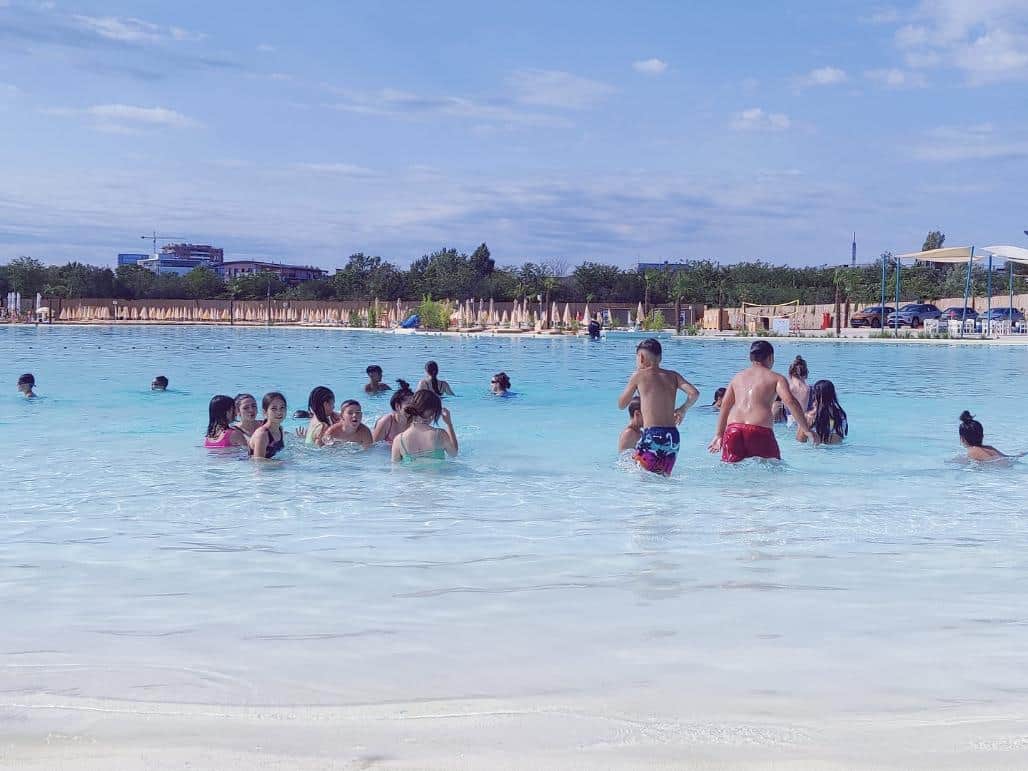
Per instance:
(435,314)
(654,322)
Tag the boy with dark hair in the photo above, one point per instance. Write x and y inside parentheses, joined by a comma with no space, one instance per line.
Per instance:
(25,385)
(632,433)
(160,383)
(745,419)
(657,448)
(375,384)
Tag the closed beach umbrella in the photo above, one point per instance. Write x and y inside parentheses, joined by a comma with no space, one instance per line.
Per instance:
(585,313)
(640,313)
(567,315)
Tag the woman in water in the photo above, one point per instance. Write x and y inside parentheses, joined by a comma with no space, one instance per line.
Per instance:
(269,438)
(322,405)
(826,416)
(220,431)
(421,440)
(433,383)
(25,385)
(719,394)
(392,425)
(246,412)
(971,436)
(500,384)
(798,373)
(349,428)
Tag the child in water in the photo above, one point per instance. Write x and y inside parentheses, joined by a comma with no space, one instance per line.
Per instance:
(421,440)
(500,384)
(657,388)
(246,412)
(25,385)
(392,425)
(826,416)
(321,404)
(269,438)
(349,428)
(220,432)
(375,384)
(971,436)
(160,383)
(719,394)
(431,381)
(632,433)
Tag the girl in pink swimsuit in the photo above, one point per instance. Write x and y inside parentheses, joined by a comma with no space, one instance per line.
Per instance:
(220,433)
(395,423)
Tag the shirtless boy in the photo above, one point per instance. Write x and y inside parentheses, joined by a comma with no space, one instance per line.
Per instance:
(633,432)
(744,423)
(658,448)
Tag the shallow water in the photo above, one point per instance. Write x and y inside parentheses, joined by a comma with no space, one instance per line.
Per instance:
(876,576)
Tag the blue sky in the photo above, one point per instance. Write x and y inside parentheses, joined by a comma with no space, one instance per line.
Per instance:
(608,131)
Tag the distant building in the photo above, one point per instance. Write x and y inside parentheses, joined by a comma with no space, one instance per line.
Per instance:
(199,252)
(130,259)
(162,264)
(290,274)
(177,258)
(673,267)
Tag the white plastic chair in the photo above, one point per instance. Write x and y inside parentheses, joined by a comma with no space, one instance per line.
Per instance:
(931,326)
(953,327)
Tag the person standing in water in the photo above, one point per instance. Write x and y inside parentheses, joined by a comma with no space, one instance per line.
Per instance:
(159,383)
(972,434)
(500,384)
(246,413)
(798,373)
(431,381)
(269,439)
(26,383)
(374,384)
(350,427)
(220,432)
(745,420)
(390,426)
(657,388)
(322,405)
(826,416)
(422,440)
(632,433)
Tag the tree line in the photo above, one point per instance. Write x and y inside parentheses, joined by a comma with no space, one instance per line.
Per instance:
(448,273)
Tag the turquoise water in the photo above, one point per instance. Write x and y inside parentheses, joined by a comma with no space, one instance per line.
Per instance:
(879,575)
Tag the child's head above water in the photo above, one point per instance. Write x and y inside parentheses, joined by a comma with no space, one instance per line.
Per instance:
(971,432)
(321,403)
(762,352)
(374,372)
(424,406)
(160,383)
(798,368)
(635,412)
(401,395)
(649,350)
(274,405)
(26,383)
(500,382)
(719,394)
(220,413)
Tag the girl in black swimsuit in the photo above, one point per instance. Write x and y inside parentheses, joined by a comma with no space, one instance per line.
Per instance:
(269,438)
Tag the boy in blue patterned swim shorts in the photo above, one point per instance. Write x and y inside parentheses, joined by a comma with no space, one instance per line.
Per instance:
(657,388)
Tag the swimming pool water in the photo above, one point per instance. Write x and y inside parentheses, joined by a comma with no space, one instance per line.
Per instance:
(875,576)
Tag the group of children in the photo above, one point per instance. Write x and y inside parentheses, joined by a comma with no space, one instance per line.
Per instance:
(755,399)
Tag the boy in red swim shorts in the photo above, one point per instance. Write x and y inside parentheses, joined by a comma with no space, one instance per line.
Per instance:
(744,423)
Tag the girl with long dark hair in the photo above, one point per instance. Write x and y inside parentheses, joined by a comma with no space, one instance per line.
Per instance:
(393,424)
(431,381)
(322,405)
(422,440)
(826,416)
(220,432)
(269,439)
(972,436)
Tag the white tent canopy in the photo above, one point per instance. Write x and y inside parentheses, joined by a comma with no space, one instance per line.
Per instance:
(950,254)
(1009,253)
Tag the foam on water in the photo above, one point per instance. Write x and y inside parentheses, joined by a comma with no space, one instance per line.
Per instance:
(136,565)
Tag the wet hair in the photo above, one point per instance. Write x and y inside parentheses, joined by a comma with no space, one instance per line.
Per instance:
(349,403)
(798,368)
(829,416)
(218,413)
(503,380)
(433,369)
(240,398)
(761,351)
(374,368)
(27,379)
(161,380)
(719,394)
(425,405)
(634,407)
(271,396)
(400,395)
(302,414)
(652,346)
(971,430)
(316,403)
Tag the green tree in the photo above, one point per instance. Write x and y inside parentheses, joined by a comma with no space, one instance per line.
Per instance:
(26,275)
(255,286)
(446,273)
(203,284)
(934,240)
(133,282)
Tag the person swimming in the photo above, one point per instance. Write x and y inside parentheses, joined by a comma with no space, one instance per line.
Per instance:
(632,433)
(269,439)
(798,374)
(746,415)
(719,395)
(421,440)
(657,389)
(321,404)
(26,384)
(246,413)
(826,416)
(374,384)
(972,434)
(500,384)
(349,428)
(159,383)
(433,383)
(220,432)
(391,425)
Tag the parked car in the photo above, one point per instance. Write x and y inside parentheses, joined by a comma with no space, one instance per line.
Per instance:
(912,315)
(956,313)
(1013,315)
(870,317)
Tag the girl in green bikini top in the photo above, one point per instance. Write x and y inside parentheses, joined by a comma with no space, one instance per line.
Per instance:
(421,440)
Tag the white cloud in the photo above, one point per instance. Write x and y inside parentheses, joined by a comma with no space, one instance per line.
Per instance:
(126,118)
(553,88)
(266,48)
(896,78)
(970,143)
(824,76)
(756,119)
(336,169)
(131,30)
(650,66)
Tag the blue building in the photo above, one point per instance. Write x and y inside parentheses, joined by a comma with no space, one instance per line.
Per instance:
(131,259)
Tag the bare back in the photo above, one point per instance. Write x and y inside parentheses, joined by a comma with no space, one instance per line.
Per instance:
(658,390)
(753,392)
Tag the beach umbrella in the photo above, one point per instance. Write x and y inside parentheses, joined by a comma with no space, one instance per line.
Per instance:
(554,313)
(566,319)
(505,320)
(585,313)
(640,314)
(630,322)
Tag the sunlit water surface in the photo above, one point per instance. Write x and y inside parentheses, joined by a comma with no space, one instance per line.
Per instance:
(134,564)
